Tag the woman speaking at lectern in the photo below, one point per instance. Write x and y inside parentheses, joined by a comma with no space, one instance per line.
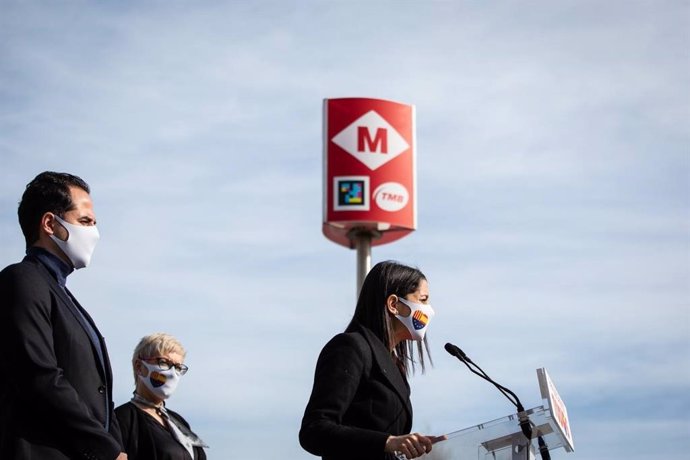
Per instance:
(360,402)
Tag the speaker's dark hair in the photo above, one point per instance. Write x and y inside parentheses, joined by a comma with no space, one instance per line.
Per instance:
(384,279)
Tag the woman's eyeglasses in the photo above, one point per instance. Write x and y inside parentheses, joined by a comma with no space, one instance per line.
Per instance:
(165,364)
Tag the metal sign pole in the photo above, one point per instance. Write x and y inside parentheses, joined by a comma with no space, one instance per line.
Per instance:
(362,242)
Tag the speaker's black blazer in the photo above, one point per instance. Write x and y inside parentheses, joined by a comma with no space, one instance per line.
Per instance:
(359,398)
(55,392)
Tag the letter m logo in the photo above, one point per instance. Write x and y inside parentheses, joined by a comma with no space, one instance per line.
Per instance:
(372,140)
(366,144)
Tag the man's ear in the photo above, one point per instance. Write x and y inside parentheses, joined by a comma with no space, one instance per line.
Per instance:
(392,304)
(48,222)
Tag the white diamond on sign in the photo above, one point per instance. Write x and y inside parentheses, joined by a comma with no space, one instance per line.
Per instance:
(372,140)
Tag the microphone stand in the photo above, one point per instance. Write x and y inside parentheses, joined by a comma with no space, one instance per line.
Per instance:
(525,424)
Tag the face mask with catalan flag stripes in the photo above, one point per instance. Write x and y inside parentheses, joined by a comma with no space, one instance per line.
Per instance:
(418,320)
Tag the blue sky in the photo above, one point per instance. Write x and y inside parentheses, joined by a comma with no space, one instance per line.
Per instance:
(553,198)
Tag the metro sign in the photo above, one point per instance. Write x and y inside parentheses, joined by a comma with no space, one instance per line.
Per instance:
(372,140)
(369,169)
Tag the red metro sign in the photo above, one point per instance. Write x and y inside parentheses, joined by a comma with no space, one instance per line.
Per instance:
(369,169)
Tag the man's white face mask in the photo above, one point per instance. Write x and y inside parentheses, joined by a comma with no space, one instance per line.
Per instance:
(80,243)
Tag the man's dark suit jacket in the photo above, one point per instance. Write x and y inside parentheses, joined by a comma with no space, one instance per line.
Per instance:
(54,390)
(359,398)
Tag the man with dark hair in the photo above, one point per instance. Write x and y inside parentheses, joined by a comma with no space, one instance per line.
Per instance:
(55,380)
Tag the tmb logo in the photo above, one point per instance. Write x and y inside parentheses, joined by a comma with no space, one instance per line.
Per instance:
(391,196)
(372,140)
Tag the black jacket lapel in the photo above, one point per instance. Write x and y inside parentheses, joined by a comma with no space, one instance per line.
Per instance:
(385,362)
(81,316)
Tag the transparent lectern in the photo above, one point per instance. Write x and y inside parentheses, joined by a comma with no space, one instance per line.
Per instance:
(503,439)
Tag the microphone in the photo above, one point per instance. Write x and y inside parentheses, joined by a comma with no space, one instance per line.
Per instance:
(458,353)
(524,422)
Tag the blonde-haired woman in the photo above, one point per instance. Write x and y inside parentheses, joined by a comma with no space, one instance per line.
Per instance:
(150,431)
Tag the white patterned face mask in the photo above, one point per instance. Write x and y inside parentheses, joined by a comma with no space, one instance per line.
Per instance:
(161,383)
(80,243)
(418,319)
